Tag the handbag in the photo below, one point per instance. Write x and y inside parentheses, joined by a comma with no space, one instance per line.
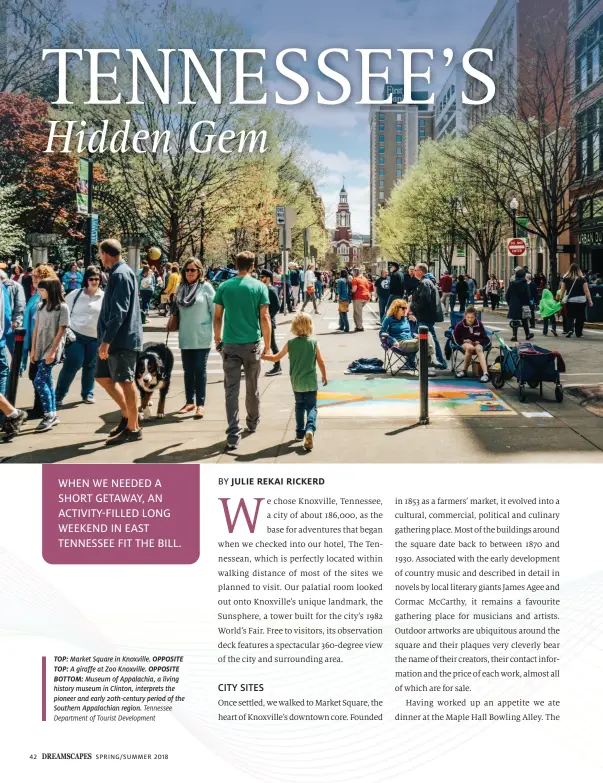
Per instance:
(566,295)
(344,307)
(526,312)
(173,321)
(310,290)
(70,337)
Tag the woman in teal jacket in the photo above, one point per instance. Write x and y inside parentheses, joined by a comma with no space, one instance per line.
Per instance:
(195,302)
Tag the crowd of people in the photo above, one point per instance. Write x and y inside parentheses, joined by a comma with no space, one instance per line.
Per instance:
(90,321)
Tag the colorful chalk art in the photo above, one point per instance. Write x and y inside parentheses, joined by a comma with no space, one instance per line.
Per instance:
(395,398)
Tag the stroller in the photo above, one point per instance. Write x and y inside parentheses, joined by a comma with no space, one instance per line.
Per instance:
(453,351)
(530,365)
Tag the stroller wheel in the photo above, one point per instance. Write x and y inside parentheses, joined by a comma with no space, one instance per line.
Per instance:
(498,380)
(533,384)
(522,393)
(559,393)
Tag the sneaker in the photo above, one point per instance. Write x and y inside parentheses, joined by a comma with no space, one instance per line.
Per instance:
(484,379)
(431,372)
(555,332)
(443,365)
(60,403)
(300,437)
(530,336)
(232,446)
(579,336)
(88,400)
(123,425)
(309,440)
(273,372)
(126,436)
(461,374)
(12,425)
(569,334)
(47,423)
(359,330)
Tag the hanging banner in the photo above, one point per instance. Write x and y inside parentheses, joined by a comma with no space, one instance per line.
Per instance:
(83,183)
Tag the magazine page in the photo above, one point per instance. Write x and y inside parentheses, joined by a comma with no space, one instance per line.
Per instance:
(301,395)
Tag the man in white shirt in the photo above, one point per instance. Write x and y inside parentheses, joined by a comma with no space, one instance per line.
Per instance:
(310,288)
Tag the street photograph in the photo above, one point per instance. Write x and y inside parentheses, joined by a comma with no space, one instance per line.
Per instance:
(381,245)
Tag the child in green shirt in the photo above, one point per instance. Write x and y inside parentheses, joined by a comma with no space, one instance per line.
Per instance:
(304,355)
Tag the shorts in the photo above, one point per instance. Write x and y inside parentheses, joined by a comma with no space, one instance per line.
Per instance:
(120,366)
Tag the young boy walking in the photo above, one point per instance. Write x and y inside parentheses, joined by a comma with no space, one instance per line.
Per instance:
(304,355)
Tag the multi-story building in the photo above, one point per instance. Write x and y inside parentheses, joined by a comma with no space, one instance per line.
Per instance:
(586,42)
(397,132)
(450,113)
(508,32)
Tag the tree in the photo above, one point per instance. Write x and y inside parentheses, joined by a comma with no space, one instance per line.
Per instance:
(26,28)
(442,204)
(44,182)
(12,235)
(531,142)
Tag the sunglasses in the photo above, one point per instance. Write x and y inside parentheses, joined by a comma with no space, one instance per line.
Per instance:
(191,271)
(94,278)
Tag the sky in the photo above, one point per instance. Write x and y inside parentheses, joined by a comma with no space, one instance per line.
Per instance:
(339,136)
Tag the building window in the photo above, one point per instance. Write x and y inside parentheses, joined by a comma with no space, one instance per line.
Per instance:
(589,55)
(398,150)
(398,139)
(381,183)
(421,123)
(381,172)
(398,161)
(381,139)
(381,161)
(399,126)
(381,150)
(590,134)
(398,173)
(381,126)
(422,132)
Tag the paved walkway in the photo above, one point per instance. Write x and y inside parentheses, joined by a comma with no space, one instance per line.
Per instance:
(540,430)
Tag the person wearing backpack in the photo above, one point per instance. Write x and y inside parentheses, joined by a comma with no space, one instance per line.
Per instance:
(80,354)
(295,282)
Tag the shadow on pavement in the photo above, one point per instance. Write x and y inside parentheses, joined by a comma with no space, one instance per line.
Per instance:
(187,455)
(272,452)
(57,453)
(404,429)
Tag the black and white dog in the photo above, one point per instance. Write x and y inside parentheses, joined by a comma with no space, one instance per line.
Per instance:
(154,371)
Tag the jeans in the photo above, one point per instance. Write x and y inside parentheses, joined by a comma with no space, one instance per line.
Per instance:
(305,406)
(194,364)
(438,347)
(383,300)
(273,345)
(145,299)
(235,357)
(80,355)
(44,387)
(344,323)
(4,370)
(545,324)
(452,302)
(576,316)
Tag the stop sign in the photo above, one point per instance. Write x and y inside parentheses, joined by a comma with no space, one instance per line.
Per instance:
(517,247)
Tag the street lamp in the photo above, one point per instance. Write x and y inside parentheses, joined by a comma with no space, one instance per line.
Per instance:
(514,209)
(202,246)
(88,133)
